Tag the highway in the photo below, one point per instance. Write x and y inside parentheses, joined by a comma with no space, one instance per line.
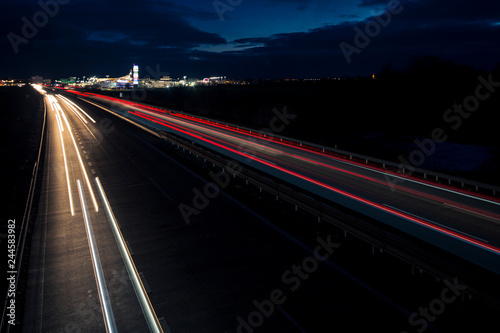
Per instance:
(470,218)
(81,261)
(111,251)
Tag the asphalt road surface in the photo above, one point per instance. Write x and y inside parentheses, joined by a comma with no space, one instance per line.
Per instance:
(229,270)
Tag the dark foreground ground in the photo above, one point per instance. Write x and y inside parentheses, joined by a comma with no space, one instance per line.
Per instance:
(21,127)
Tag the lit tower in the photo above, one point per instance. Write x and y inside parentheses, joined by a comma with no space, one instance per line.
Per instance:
(136,74)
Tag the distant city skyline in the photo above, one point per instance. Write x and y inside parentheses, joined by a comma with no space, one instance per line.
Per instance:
(243,39)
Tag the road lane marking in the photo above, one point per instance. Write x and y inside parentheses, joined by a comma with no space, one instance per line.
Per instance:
(59,123)
(388,174)
(160,188)
(439,224)
(67,173)
(96,207)
(341,161)
(291,319)
(73,105)
(140,290)
(344,162)
(472,212)
(302,159)
(107,311)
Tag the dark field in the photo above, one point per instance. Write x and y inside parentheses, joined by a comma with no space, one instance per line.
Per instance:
(21,126)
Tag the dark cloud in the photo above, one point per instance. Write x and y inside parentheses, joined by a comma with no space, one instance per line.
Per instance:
(106,37)
(102,40)
(463,34)
(372,3)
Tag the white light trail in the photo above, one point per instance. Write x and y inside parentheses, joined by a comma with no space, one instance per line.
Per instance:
(77,113)
(142,296)
(77,107)
(107,312)
(81,163)
(59,123)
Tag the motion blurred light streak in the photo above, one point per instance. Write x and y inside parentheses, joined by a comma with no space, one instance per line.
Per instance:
(107,312)
(66,169)
(312,150)
(59,123)
(142,296)
(81,163)
(75,111)
(77,107)
(331,188)
(328,166)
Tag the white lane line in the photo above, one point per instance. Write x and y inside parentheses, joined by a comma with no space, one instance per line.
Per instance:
(387,174)
(301,159)
(140,291)
(439,224)
(291,319)
(77,114)
(59,123)
(96,207)
(471,212)
(107,311)
(67,173)
(76,106)
(332,158)
(160,188)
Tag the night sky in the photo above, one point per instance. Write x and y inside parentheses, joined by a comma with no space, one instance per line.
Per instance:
(242,38)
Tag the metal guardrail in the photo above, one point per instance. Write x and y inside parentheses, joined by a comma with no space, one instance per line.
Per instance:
(21,242)
(403,170)
(417,253)
(404,246)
